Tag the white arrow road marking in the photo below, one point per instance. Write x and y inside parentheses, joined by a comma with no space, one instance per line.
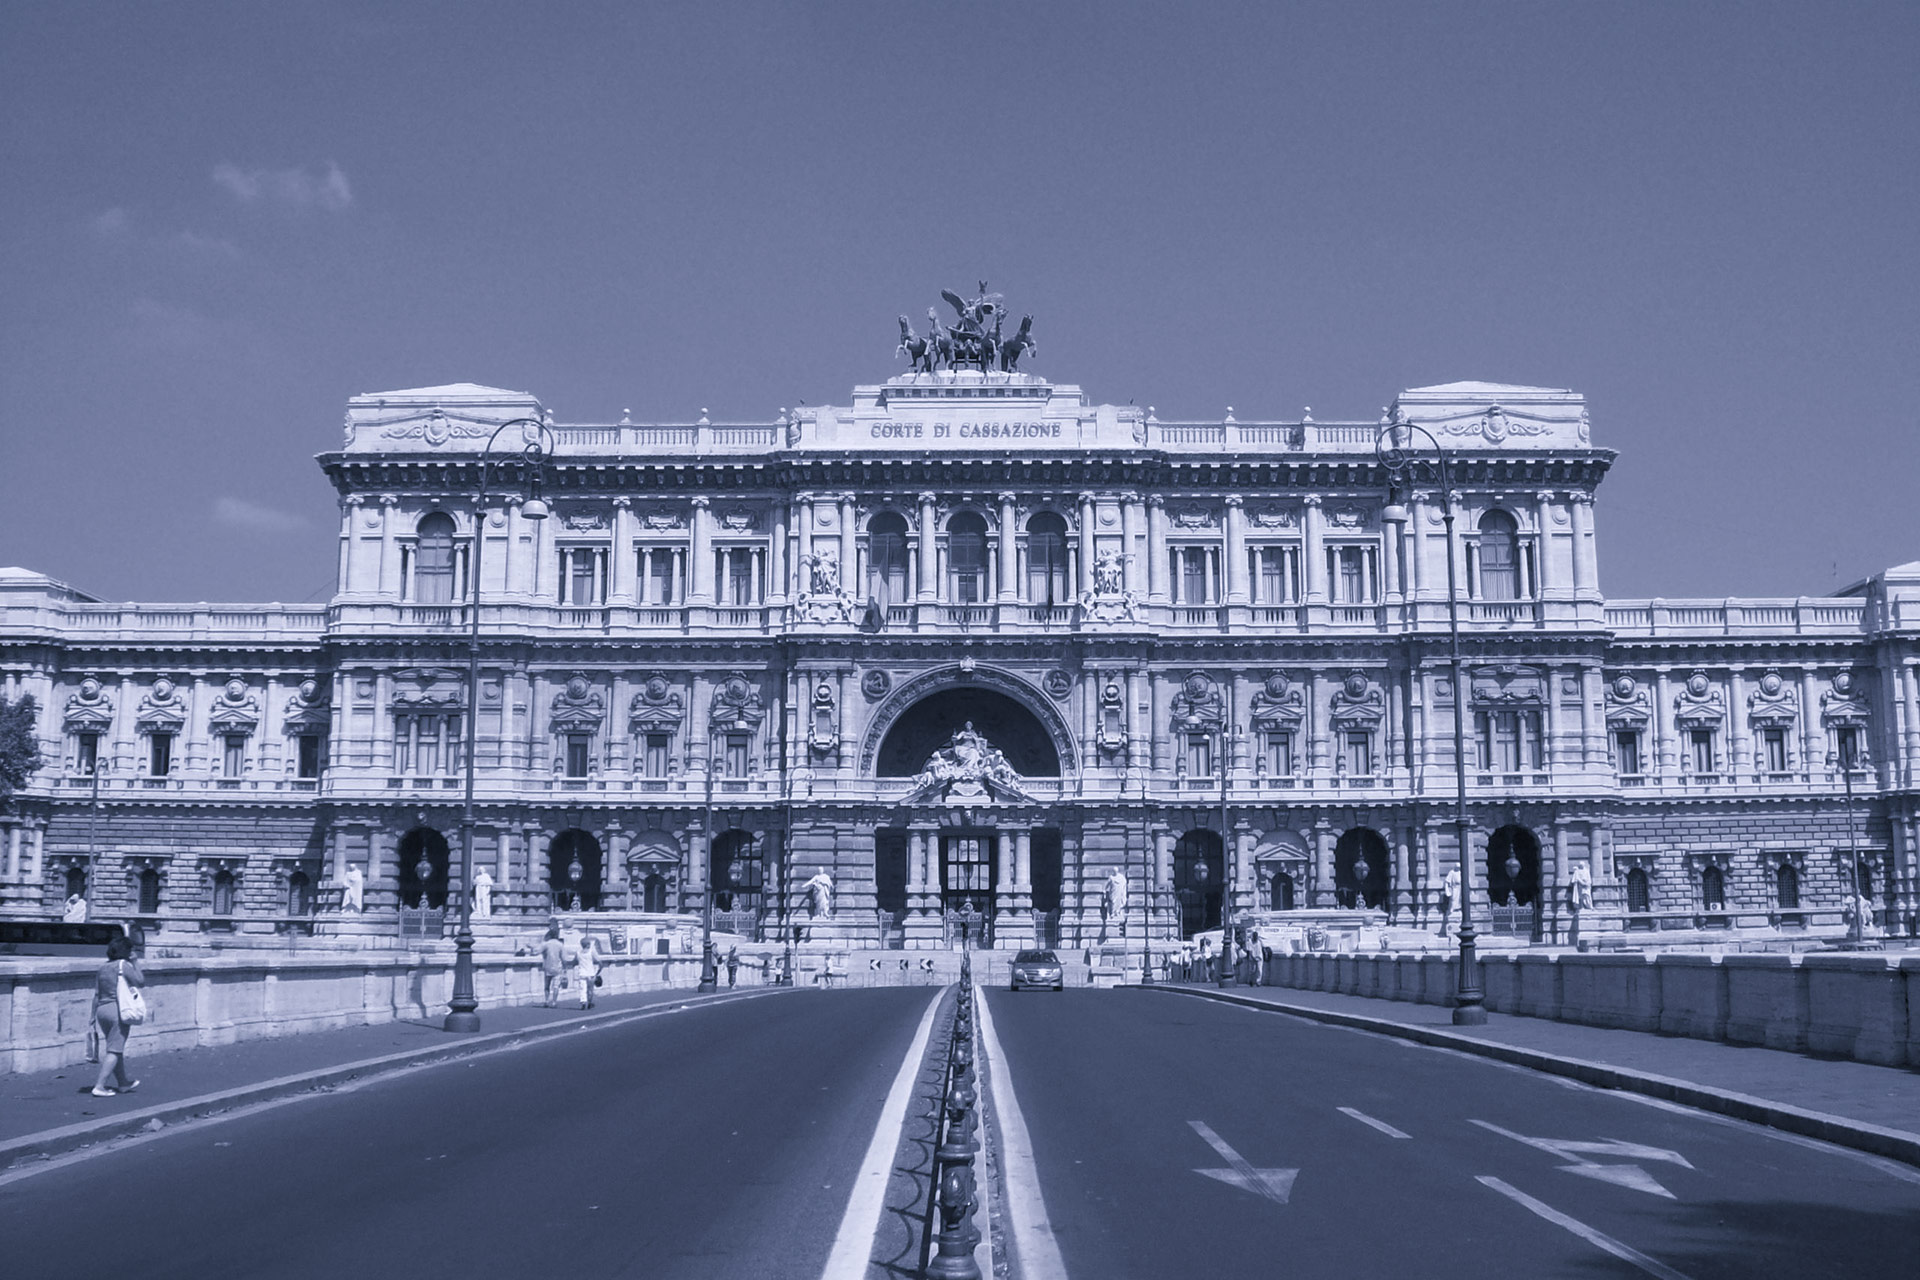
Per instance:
(1625,1253)
(1275,1184)
(1368,1120)
(1631,1176)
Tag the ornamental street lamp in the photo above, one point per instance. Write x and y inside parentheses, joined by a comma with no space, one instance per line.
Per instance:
(1469,1001)
(1146,911)
(463,1007)
(1851,757)
(100,765)
(1226,866)
(709,975)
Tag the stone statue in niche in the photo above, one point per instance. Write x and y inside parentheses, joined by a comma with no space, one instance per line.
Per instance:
(1113,904)
(482,894)
(353,890)
(1109,570)
(824,600)
(819,891)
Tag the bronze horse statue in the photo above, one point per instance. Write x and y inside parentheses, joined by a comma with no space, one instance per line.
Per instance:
(918,351)
(1018,345)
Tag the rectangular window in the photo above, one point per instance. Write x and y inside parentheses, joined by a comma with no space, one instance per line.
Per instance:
(1626,752)
(309,748)
(579,752)
(1280,754)
(1195,579)
(968,556)
(1276,575)
(659,574)
(1700,746)
(1773,744)
(159,754)
(233,756)
(1359,753)
(969,864)
(657,748)
(1199,755)
(738,579)
(583,579)
(1352,572)
(86,752)
(1846,745)
(737,749)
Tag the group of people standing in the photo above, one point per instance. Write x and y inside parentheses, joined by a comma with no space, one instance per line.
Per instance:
(564,964)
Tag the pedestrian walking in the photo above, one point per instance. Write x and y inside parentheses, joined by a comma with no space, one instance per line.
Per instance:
(553,964)
(111,1020)
(589,953)
(733,966)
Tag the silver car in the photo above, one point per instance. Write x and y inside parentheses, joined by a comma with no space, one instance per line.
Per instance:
(1038,969)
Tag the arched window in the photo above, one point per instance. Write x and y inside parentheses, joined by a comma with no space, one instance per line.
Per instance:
(433,560)
(1047,559)
(1637,894)
(1786,886)
(222,893)
(1499,557)
(887,557)
(967,557)
(1713,888)
(299,894)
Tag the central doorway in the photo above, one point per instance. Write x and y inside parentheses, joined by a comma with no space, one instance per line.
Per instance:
(1198,880)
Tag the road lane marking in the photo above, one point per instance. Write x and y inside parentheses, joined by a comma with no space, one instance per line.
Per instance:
(1626,1253)
(853,1245)
(1368,1120)
(1275,1184)
(1892,1168)
(1036,1253)
(1631,1176)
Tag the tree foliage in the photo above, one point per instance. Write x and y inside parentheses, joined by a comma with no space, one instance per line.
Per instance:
(19,744)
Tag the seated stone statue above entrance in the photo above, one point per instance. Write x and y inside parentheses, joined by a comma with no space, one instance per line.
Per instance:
(968,768)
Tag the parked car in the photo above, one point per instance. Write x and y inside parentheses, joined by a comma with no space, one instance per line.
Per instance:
(1038,969)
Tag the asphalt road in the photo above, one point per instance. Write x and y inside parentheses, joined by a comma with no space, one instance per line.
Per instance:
(712,1143)
(1128,1094)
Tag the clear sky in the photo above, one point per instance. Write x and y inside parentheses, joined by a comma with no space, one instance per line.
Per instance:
(221,220)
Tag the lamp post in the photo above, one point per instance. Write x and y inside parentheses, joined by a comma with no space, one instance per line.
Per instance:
(1849,758)
(1146,911)
(1469,1001)
(1226,861)
(463,1006)
(100,765)
(709,976)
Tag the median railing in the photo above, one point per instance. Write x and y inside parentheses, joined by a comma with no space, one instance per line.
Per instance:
(954,1194)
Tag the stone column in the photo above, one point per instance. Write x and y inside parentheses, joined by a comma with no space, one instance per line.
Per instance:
(1323,841)
(1245,889)
(1739,744)
(349,510)
(701,552)
(1813,742)
(13,851)
(1663,743)
(1009,568)
(389,547)
(1003,888)
(1023,870)
(624,568)
(1545,585)
(1084,578)
(849,545)
(1313,537)
(503,857)
(1133,566)
(916,870)
(1910,695)
(1550,725)
(1555,893)
(1419,575)
(1586,576)
(1139,723)
(1236,550)
(928,559)
(804,546)
(1157,566)
(1402,894)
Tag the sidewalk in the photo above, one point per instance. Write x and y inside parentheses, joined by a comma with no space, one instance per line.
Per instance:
(1854,1104)
(48,1112)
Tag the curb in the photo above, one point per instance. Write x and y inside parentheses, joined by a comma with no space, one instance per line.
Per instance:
(54,1142)
(1896,1144)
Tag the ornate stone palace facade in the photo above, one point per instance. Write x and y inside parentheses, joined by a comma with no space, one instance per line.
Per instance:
(968,644)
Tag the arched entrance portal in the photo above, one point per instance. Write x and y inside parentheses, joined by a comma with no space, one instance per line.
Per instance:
(1358,848)
(1197,881)
(574,870)
(1002,720)
(1513,881)
(430,843)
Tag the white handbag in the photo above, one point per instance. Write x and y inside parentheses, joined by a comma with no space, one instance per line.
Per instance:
(133,1004)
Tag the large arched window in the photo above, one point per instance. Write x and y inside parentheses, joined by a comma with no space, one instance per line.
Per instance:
(1499,557)
(887,557)
(1047,559)
(433,560)
(967,558)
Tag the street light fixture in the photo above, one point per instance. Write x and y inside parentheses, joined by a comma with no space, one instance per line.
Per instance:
(1226,864)
(1402,465)
(463,1006)
(709,974)
(1850,757)
(1146,911)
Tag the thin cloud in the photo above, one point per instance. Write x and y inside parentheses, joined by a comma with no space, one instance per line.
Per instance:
(241,514)
(213,246)
(114,224)
(293,188)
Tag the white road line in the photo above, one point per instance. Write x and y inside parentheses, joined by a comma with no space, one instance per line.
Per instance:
(1368,1120)
(1625,1253)
(853,1246)
(1892,1168)
(1036,1254)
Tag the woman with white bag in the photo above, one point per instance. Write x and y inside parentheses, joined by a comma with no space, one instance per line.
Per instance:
(118,1004)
